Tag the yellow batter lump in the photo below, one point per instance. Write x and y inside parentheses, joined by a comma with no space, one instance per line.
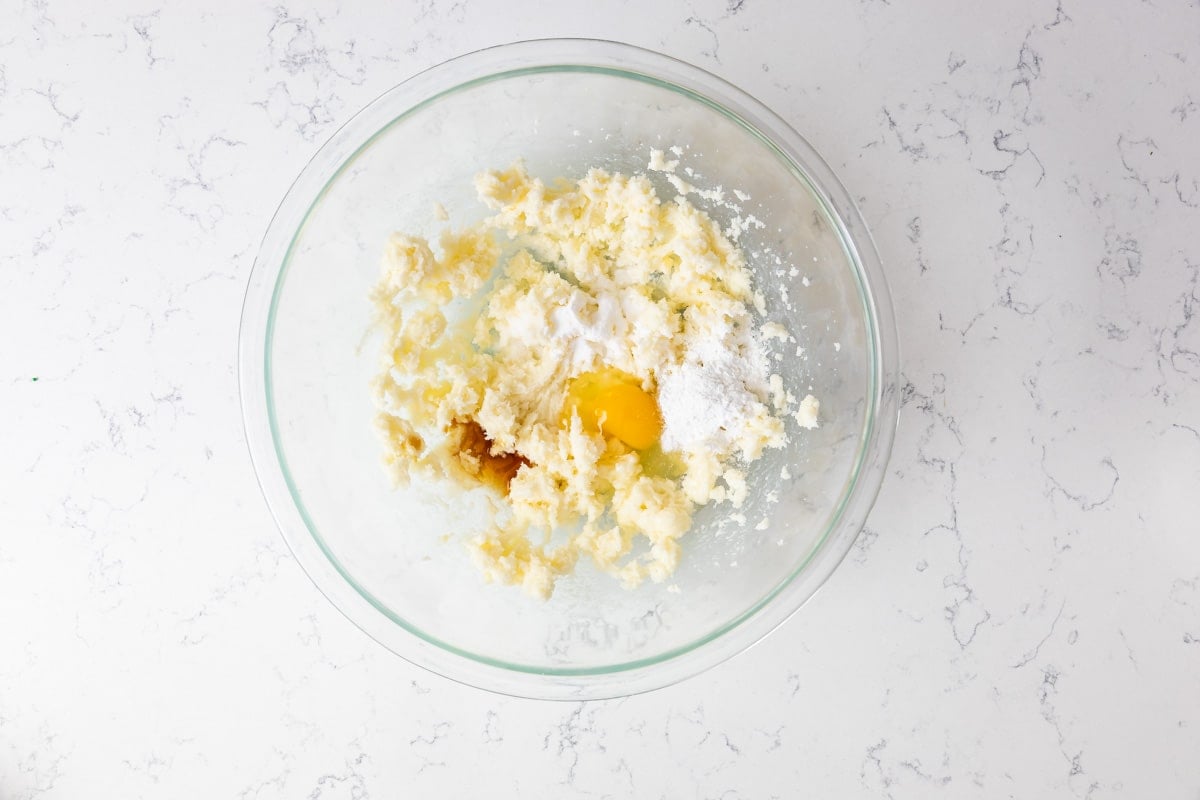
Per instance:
(590,298)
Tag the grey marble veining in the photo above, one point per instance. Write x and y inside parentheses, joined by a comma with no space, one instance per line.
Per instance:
(1021,617)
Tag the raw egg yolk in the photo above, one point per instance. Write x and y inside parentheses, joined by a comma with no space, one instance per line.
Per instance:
(616,405)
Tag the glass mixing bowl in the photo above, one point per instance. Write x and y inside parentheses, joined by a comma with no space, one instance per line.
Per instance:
(382,555)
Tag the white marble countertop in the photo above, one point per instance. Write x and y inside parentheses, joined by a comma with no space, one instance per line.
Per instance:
(1020,619)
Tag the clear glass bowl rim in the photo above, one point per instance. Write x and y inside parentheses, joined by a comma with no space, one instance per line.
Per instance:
(301,535)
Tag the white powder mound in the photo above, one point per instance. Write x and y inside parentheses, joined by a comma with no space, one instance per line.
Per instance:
(708,401)
(594,329)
